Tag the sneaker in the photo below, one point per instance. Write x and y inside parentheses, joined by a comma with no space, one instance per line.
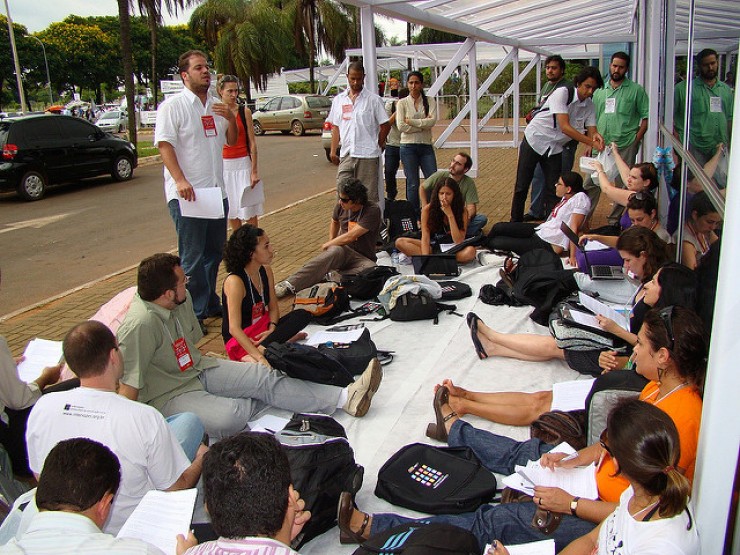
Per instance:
(362,390)
(283,289)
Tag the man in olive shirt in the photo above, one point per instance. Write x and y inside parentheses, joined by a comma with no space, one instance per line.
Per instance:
(711,109)
(621,117)
(355,224)
(459,166)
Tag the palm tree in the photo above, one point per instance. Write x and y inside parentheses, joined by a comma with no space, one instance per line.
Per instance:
(128,65)
(248,38)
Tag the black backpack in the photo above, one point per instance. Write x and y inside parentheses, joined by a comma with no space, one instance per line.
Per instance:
(308,363)
(435,480)
(417,538)
(418,306)
(366,284)
(401,218)
(454,290)
(322,466)
(354,356)
(542,108)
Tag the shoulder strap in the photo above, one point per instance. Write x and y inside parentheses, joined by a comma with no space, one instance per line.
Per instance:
(243,117)
(571,94)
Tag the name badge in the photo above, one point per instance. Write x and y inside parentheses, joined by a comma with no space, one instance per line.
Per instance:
(351,225)
(611,106)
(182,354)
(209,126)
(715,104)
(347,111)
(258,309)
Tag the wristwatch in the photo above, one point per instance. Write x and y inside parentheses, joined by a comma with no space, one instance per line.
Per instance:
(574,506)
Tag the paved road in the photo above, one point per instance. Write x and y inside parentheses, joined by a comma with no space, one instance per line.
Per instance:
(85,231)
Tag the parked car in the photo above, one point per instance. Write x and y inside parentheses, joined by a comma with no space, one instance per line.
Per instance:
(113,121)
(38,151)
(293,113)
(326,140)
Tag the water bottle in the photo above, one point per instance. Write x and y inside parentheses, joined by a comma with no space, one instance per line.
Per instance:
(395,257)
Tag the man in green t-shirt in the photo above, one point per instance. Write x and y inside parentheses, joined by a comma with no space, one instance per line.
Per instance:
(711,109)
(622,118)
(459,166)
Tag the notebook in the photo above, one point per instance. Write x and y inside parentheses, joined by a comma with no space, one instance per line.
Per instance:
(435,266)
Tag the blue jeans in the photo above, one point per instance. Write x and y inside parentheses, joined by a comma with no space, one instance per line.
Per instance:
(188,429)
(200,244)
(392,162)
(536,206)
(475,224)
(413,157)
(510,523)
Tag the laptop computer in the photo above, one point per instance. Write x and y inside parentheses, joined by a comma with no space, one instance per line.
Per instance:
(596,271)
(436,266)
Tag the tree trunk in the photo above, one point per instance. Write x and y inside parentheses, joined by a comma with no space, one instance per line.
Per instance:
(128,66)
(408,42)
(153,35)
(312,51)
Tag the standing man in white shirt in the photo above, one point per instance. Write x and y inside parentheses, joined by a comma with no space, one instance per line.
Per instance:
(567,114)
(359,119)
(192,128)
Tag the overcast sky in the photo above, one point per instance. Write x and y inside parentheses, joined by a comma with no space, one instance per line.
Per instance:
(36,15)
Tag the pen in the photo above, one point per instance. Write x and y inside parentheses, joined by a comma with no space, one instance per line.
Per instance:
(570,457)
(630,362)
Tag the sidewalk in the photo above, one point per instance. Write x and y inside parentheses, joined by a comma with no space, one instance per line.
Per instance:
(296,231)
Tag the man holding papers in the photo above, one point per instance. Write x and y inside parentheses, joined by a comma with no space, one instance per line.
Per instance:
(151,455)
(74,497)
(190,133)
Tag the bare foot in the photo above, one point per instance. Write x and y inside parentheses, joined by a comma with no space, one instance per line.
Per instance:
(455,391)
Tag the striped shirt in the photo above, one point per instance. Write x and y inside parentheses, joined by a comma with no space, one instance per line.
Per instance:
(242,546)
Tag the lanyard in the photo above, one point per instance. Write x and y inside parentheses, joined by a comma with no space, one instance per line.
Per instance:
(178,329)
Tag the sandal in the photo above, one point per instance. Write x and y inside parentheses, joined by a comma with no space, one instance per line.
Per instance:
(436,430)
(473,319)
(345,509)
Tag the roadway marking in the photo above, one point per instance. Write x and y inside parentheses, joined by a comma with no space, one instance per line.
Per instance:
(36,223)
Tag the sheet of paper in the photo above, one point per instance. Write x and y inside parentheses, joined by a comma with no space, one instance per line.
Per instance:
(247,193)
(580,481)
(593,245)
(597,307)
(571,395)
(444,247)
(544,547)
(268,423)
(321,337)
(159,517)
(584,319)
(208,204)
(39,354)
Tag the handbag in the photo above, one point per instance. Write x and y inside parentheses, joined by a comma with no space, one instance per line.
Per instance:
(236,351)
(354,356)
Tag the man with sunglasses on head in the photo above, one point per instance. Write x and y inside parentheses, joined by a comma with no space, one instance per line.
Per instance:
(354,226)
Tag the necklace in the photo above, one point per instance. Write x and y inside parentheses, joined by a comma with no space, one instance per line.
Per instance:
(664,397)
(634,515)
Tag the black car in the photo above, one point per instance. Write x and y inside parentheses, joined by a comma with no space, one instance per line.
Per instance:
(38,151)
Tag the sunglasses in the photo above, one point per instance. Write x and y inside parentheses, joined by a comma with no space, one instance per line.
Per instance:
(666,316)
(344,200)
(638,196)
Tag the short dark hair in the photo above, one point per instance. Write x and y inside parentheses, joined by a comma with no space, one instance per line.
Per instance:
(354,190)
(622,56)
(589,72)
(87,348)
(183,62)
(240,247)
(644,202)
(574,180)
(556,58)
(706,52)
(357,66)
(246,479)
(701,204)
(156,275)
(468,159)
(77,474)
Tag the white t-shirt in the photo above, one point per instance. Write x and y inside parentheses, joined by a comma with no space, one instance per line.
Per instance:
(541,134)
(550,230)
(621,534)
(198,137)
(359,123)
(150,456)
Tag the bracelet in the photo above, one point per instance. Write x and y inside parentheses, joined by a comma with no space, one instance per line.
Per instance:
(574,506)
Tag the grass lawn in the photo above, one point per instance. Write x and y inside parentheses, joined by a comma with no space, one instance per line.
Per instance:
(146,148)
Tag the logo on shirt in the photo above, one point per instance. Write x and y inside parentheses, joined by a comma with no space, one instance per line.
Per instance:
(83,412)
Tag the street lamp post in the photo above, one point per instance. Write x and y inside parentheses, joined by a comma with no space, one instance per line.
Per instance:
(46,63)
(18,78)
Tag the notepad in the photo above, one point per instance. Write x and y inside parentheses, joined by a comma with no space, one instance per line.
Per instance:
(39,354)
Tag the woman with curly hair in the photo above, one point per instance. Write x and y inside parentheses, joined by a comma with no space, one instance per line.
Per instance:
(443,221)
(251,317)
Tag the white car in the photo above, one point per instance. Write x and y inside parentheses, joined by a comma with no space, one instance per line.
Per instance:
(114,121)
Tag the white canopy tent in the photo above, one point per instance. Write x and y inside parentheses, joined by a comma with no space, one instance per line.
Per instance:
(659,30)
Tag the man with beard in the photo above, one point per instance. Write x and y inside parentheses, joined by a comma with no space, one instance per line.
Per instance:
(164,368)
(555,74)
(359,120)
(711,109)
(190,133)
(622,118)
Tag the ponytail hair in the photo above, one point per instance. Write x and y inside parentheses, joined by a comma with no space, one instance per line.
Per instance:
(424,98)
(645,442)
(681,331)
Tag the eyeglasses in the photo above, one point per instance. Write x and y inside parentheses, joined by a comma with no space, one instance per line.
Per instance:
(666,316)
(603,442)
(344,200)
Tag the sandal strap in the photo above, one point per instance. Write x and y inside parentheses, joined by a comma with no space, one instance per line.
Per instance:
(365,521)
(447,418)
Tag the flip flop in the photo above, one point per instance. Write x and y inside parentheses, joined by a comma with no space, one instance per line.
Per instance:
(436,430)
(472,319)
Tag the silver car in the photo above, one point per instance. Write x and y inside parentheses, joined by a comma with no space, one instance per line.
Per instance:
(114,121)
(292,113)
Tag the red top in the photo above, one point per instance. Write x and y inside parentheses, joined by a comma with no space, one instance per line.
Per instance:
(240,149)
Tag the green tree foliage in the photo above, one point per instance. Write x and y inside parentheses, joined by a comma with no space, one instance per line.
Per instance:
(427,35)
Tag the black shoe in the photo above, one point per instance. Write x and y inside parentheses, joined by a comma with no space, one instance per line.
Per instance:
(532,218)
(216,312)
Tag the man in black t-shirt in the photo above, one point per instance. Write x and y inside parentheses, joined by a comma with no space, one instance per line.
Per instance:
(355,224)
